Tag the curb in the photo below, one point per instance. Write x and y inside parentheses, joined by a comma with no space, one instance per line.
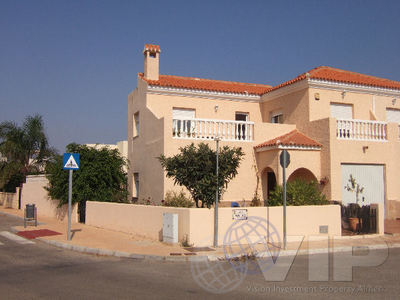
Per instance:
(120,254)
(211,258)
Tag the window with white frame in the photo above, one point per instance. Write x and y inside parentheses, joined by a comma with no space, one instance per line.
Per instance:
(182,122)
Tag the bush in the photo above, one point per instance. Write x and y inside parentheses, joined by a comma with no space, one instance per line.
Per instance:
(299,192)
(100,177)
(175,199)
(255,201)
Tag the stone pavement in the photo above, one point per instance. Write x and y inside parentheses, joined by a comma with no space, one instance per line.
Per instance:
(93,240)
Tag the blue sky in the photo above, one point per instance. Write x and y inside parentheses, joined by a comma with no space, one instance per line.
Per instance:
(75,62)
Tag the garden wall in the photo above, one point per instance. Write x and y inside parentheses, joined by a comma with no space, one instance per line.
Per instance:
(9,200)
(33,192)
(198,223)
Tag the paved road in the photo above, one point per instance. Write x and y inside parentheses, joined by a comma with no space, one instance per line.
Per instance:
(40,271)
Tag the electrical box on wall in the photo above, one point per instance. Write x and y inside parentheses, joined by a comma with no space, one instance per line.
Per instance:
(170,228)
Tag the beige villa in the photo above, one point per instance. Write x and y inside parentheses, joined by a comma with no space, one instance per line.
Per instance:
(333,123)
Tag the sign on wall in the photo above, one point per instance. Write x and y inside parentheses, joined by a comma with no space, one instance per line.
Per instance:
(239,214)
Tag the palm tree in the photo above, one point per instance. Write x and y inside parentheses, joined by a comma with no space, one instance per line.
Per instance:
(24,150)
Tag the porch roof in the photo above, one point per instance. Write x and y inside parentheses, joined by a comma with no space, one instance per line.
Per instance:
(294,139)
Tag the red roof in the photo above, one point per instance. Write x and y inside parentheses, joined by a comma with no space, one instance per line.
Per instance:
(337,75)
(208,84)
(293,138)
(152,48)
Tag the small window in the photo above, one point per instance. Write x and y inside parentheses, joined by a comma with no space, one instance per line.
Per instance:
(136,185)
(136,124)
(241,116)
(277,117)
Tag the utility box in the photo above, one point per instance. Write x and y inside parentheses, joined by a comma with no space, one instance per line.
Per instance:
(170,228)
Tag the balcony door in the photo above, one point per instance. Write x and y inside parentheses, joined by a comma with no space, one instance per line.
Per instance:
(181,121)
(241,129)
(341,111)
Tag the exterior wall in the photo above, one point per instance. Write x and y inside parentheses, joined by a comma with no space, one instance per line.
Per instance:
(363,104)
(309,159)
(198,223)
(33,192)
(146,147)
(294,106)
(366,106)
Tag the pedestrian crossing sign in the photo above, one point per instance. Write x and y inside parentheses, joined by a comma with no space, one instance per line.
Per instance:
(71,161)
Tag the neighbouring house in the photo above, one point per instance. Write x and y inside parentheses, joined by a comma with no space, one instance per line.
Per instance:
(121,146)
(333,123)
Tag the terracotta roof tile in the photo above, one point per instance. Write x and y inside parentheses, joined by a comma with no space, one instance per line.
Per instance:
(152,48)
(293,138)
(338,75)
(208,84)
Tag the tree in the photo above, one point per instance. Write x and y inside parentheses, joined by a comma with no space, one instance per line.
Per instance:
(195,168)
(100,176)
(24,150)
(299,192)
(354,187)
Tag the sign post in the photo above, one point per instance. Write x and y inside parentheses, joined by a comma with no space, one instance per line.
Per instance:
(71,163)
(217,139)
(285,161)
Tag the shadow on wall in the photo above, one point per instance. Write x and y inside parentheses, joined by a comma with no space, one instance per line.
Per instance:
(9,200)
(303,174)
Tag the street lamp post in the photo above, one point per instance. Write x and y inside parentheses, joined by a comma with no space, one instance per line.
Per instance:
(217,139)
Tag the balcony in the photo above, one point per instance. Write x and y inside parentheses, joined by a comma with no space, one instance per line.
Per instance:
(208,129)
(361,130)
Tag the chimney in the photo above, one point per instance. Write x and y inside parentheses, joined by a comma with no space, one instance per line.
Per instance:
(151,58)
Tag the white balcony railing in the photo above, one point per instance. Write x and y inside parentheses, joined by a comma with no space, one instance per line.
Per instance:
(351,129)
(203,129)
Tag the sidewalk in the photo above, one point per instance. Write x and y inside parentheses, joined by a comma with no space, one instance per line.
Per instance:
(89,239)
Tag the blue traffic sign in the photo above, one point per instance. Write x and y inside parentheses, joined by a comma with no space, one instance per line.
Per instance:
(71,161)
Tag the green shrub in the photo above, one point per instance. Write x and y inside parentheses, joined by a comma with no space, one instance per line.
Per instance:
(177,199)
(299,192)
